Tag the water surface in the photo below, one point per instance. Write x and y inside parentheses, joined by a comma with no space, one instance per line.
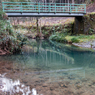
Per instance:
(48,68)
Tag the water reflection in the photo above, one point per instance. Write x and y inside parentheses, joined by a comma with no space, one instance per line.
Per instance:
(15,87)
(47,56)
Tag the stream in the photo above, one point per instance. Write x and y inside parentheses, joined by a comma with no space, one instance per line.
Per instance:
(48,68)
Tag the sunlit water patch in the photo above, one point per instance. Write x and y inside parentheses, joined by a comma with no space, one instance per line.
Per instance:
(10,87)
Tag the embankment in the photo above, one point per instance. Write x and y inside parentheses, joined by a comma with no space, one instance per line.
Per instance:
(85,35)
(11,41)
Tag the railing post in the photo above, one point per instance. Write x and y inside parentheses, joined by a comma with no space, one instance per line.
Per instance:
(3,6)
(49,7)
(70,8)
(21,7)
(42,9)
(63,8)
(85,8)
(75,9)
(39,7)
(55,7)
(35,7)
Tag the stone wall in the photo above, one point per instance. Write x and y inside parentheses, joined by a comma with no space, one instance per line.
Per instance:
(85,24)
(89,23)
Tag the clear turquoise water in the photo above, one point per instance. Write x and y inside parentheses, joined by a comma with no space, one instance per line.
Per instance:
(50,62)
(45,55)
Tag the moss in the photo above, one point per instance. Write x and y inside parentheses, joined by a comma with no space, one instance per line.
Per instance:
(91,13)
(86,16)
(89,23)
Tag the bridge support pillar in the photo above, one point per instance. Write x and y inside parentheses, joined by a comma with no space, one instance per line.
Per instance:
(78,25)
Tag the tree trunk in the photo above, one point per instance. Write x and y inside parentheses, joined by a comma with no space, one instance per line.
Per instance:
(68,5)
(40,27)
(37,23)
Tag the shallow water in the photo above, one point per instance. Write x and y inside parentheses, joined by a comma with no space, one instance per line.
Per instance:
(48,68)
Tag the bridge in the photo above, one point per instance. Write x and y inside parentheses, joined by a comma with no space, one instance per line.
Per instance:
(38,9)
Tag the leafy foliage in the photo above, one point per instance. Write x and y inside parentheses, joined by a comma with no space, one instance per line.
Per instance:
(75,40)
(58,38)
(10,40)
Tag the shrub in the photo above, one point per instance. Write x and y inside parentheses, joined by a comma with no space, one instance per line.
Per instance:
(75,40)
(58,38)
(10,40)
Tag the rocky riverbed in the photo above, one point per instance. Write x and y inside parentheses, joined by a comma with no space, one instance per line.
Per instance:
(13,81)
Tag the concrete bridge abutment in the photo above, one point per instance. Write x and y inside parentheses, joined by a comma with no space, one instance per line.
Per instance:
(78,25)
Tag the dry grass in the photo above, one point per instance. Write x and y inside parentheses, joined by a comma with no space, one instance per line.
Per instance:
(45,21)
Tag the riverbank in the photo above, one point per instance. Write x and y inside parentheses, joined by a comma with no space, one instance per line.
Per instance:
(47,27)
(11,41)
(86,39)
(61,30)
(61,33)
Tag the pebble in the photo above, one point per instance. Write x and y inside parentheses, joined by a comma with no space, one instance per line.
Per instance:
(78,86)
(93,82)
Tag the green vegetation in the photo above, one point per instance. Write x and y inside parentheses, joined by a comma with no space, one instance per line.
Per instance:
(10,41)
(46,31)
(72,39)
(67,35)
(80,38)
(64,33)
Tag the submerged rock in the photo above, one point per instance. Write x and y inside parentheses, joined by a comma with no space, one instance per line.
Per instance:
(78,86)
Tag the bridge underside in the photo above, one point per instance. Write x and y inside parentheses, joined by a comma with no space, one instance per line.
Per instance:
(29,14)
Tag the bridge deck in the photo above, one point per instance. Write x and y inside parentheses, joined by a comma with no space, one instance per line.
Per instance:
(24,14)
(17,9)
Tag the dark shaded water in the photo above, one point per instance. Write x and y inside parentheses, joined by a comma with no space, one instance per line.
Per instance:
(50,68)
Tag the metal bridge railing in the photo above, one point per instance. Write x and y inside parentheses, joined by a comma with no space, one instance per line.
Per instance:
(43,7)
